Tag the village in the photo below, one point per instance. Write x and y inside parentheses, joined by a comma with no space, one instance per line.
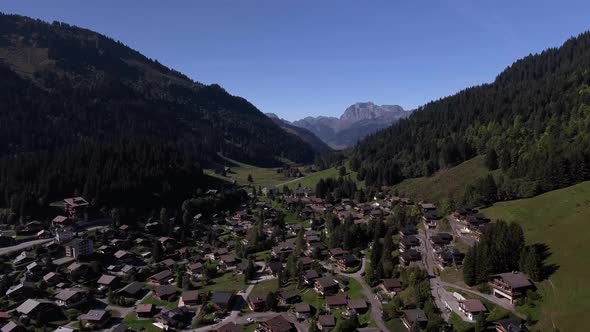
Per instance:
(279,262)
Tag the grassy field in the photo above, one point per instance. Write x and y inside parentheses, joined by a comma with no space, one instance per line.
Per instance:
(155,301)
(263,177)
(226,282)
(133,322)
(310,180)
(561,220)
(263,288)
(445,183)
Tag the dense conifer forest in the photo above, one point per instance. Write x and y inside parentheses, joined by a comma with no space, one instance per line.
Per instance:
(82,113)
(533,121)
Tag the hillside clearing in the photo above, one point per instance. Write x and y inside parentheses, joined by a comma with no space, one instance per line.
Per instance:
(560,219)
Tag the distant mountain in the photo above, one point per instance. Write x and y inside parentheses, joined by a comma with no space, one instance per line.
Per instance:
(305,135)
(357,121)
(83,113)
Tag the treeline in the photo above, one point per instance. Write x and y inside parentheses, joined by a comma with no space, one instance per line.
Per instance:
(535,117)
(332,189)
(105,122)
(501,249)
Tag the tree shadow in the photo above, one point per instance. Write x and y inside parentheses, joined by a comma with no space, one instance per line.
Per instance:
(544,252)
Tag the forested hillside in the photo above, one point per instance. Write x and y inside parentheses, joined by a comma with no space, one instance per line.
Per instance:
(82,113)
(533,120)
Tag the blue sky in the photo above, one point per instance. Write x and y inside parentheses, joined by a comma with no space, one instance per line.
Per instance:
(311,57)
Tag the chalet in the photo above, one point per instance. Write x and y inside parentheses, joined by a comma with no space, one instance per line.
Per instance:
(71,297)
(66,329)
(189,298)
(326,322)
(441,240)
(274,267)
(288,297)
(134,290)
(472,308)
(52,278)
(511,285)
(414,316)
(40,310)
(194,269)
(316,248)
(167,242)
(164,277)
(79,248)
(12,327)
(510,325)
(336,253)
(35,269)
(228,261)
(256,303)
(76,207)
(123,256)
(23,259)
(391,286)
(430,218)
(121,327)
(21,292)
(310,276)
(302,310)
(282,250)
(108,282)
(306,262)
(176,318)
(449,257)
(462,213)
(95,319)
(277,323)
(144,310)
(427,206)
(409,256)
(166,292)
(346,262)
(408,242)
(222,300)
(358,306)
(4,317)
(336,301)
(303,192)
(408,230)
(326,286)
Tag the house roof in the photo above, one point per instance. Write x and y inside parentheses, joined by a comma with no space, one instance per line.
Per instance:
(415,315)
(473,306)
(326,282)
(311,274)
(132,288)
(336,300)
(106,279)
(278,323)
(119,328)
(9,326)
(514,279)
(302,307)
(144,308)
(357,304)
(66,294)
(392,283)
(94,315)
(162,275)
(228,327)
(326,320)
(221,297)
(191,295)
(165,290)
(29,305)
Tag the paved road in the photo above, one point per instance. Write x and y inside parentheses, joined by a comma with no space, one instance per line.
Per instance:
(287,182)
(376,308)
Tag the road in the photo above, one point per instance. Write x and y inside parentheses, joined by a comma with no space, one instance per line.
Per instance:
(376,308)
(287,182)
(22,246)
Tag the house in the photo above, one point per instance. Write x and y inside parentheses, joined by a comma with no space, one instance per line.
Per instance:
(391,286)
(310,276)
(228,327)
(79,248)
(4,317)
(408,242)
(472,308)
(21,292)
(64,235)
(95,319)
(120,328)
(228,261)
(12,327)
(409,256)
(346,262)
(168,263)
(359,306)
(177,318)
(194,269)
(166,292)
(510,325)
(408,230)
(440,240)
(336,301)
(23,259)
(274,267)
(336,253)
(52,278)
(108,282)
(430,218)
(288,297)
(189,298)
(71,297)
(326,322)
(222,300)
(414,316)
(511,285)
(427,206)
(66,329)
(302,310)
(256,303)
(450,257)
(326,286)
(277,323)
(134,290)
(163,277)
(144,310)
(76,207)
(42,311)
(282,250)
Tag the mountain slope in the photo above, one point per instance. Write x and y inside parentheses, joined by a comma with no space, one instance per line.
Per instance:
(80,112)
(357,121)
(305,135)
(535,115)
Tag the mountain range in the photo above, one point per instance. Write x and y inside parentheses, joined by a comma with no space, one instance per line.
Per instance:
(83,113)
(357,121)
